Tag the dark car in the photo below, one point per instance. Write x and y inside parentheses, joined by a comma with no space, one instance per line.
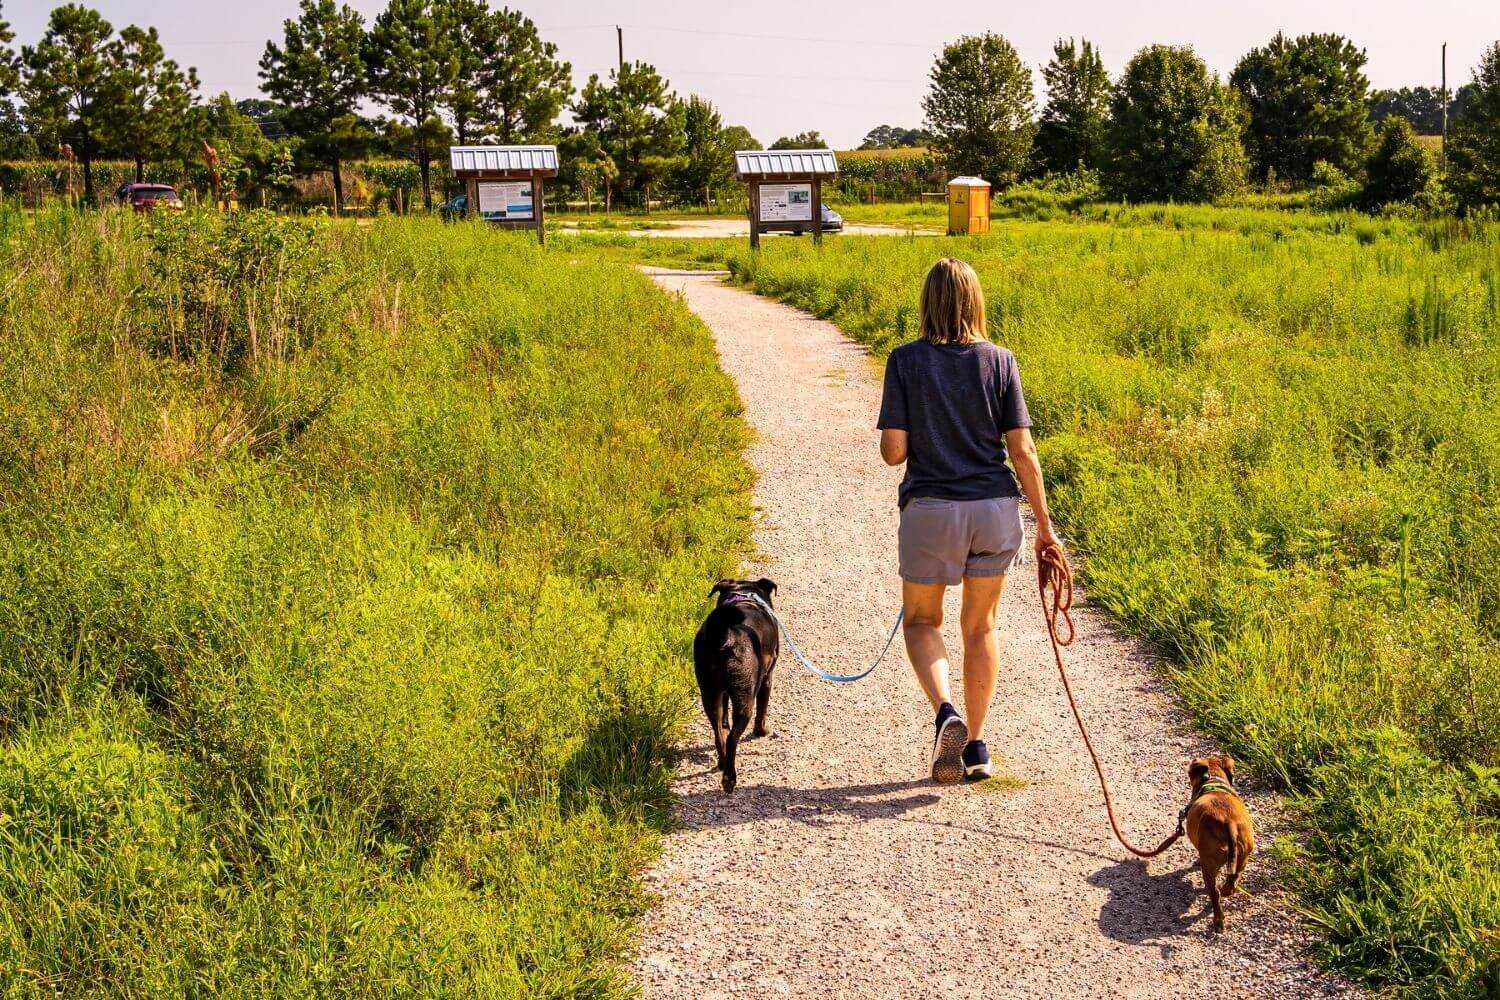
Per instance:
(148,197)
(833,222)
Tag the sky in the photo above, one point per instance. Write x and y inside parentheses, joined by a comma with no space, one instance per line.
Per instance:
(842,67)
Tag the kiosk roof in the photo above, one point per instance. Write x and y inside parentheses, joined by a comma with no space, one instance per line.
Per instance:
(503,159)
(785,163)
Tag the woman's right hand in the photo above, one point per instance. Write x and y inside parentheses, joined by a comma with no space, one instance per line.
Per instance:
(1045,539)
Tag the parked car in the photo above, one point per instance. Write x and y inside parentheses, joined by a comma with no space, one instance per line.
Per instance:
(148,197)
(833,222)
(454,208)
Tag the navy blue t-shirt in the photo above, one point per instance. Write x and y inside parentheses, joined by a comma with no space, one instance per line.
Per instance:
(955,402)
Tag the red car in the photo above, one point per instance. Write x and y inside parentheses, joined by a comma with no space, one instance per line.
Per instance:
(148,197)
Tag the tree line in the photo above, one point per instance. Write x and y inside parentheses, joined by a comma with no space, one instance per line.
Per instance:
(1294,111)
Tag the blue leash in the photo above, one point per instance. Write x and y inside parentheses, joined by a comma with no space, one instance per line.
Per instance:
(810,665)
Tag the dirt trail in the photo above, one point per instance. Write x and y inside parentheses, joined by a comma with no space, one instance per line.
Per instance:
(837,869)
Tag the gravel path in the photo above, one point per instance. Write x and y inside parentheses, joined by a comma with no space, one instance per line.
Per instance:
(837,869)
(692,228)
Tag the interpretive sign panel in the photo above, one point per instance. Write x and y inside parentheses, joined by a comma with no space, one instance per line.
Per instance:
(786,203)
(505,199)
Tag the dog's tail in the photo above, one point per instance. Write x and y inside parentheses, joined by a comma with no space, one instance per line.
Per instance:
(1231,861)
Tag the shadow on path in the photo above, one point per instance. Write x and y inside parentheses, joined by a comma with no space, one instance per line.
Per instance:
(1145,909)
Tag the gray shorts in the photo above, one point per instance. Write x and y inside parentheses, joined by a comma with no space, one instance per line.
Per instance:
(943,541)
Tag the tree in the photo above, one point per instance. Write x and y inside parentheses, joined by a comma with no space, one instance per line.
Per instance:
(802,140)
(1308,101)
(979,109)
(894,137)
(523,85)
(70,88)
(318,75)
(1399,169)
(155,100)
(639,123)
(10,64)
(586,167)
(709,157)
(1474,139)
(1175,132)
(412,64)
(14,142)
(1074,122)
(739,137)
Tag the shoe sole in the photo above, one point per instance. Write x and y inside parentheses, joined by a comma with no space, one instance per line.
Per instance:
(948,752)
(979,772)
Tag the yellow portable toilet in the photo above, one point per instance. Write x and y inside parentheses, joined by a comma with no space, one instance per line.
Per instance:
(968,206)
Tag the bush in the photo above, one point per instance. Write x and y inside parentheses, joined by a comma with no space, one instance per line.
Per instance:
(1399,170)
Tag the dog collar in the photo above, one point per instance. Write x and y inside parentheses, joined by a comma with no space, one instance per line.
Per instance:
(738,598)
(1214,785)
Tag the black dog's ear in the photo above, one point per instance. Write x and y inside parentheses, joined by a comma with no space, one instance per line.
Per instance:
(721,588)
(766,586)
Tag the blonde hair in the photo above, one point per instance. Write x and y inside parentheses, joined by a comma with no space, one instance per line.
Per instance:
(952,304)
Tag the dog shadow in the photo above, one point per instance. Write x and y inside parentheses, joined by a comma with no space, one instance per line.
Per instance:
(1149,909)
(752,803)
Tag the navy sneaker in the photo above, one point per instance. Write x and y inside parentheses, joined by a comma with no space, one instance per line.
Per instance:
(948,746)
(976,761)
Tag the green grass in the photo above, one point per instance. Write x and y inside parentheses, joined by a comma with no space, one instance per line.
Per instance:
(347,583)
(1275,443)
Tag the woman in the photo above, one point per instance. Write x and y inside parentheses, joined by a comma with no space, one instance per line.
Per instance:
(952,410)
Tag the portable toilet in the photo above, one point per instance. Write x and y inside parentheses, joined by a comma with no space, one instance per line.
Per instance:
(968,206)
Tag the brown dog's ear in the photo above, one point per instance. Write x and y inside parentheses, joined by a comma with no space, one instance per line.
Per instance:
(1197,771)
(1227,763)
(766,586)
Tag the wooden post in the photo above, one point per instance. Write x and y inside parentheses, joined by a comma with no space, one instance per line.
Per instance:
(817,209)
(471,192)
(755,215)
(539,209)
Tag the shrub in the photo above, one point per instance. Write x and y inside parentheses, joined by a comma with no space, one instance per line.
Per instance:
(1399,169)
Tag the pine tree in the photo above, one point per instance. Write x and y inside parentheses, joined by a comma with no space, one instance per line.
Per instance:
(69,85)
(412,63)
(639,123)
(523,83)
(1474,139)
(1074,122)
(318,74)
(155,102)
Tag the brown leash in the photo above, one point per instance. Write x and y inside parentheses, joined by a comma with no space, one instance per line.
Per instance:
(1053,573)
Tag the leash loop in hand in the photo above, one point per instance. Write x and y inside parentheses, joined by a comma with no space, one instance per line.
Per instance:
(1054,579)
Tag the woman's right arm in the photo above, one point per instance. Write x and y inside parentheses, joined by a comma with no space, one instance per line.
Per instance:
(1023,459)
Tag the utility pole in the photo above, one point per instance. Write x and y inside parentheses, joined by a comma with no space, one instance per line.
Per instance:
(620,41)
(1443,154)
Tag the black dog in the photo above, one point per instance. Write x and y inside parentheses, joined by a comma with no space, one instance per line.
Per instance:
(734,653)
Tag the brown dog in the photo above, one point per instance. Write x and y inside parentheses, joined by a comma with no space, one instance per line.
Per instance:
(1219,827)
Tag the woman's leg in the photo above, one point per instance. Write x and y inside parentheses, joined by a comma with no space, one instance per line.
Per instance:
(981,648)
(923,630)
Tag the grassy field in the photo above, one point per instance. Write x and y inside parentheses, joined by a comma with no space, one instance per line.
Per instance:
(1274,440)
(347,585)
